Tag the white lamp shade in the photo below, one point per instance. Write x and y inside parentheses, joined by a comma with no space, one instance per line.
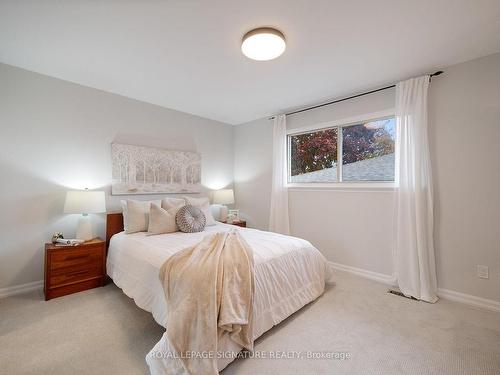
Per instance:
(84,202)
(224,196)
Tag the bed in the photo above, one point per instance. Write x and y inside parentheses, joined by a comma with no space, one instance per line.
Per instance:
(289,273)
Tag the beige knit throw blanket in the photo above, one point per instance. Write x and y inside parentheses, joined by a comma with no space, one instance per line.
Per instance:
(209,291)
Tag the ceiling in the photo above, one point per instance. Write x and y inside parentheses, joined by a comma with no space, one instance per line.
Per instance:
(186,54)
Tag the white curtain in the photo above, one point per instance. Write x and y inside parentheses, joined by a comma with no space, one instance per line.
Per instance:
(278,218)
(414,245)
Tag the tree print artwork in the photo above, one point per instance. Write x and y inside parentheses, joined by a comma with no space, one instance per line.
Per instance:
(149,170)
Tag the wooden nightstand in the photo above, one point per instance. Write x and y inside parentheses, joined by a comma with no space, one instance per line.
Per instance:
(71,269)
(239,223)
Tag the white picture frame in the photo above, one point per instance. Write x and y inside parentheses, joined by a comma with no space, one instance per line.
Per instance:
(235,214)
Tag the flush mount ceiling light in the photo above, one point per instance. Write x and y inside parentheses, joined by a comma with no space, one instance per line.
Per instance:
(263,44)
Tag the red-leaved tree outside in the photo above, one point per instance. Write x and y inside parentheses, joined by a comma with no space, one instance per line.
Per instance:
(316,151)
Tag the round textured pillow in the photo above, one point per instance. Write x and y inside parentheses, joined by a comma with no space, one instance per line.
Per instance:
(190,219)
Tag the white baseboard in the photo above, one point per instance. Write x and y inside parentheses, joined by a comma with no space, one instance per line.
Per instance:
(450,295)
(380,277)
(19,289)
(469,299)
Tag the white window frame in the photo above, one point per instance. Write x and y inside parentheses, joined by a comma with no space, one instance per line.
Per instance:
(341,185)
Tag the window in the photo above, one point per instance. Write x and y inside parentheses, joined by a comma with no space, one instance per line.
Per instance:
(362,152)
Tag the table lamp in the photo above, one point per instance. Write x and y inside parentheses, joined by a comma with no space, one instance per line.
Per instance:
(223,197)
(84,202)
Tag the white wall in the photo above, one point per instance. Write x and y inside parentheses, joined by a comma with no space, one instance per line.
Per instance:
(55,136)
(465,151)
(355,227)
(253,171)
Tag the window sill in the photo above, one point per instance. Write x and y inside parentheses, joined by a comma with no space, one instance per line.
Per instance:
(344,187)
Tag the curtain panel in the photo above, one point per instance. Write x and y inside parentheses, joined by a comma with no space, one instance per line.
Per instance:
(278,217)
(414,242)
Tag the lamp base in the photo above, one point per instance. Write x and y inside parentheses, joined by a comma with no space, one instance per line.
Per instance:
(223,213)
(84,229)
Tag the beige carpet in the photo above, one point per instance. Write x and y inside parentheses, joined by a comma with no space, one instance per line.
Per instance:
(102,332)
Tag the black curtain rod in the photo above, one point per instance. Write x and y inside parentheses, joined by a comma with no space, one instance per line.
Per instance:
(350,97)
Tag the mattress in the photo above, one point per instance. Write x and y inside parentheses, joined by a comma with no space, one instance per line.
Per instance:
(289,273)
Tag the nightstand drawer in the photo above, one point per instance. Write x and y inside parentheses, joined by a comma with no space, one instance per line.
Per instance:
(74,276)
(87,257)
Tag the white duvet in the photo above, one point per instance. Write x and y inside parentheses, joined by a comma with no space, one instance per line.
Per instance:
(289,273)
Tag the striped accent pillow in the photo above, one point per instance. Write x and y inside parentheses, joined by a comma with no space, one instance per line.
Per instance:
(190,219)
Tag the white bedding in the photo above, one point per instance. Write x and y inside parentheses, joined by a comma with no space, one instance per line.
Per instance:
(289,273)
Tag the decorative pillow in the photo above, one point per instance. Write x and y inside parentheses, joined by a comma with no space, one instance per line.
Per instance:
(145,209)
(190,219)
(167,203)
(161,220)
(204,205)
(196,201)
(137,218)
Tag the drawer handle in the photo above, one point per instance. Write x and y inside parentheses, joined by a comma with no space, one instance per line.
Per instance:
(74,257)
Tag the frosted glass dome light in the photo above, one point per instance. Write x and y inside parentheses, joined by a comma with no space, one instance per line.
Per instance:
(263,44)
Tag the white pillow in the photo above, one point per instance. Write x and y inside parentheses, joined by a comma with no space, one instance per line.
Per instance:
(167,203)
(161,220)
(204,205)
(145,210)
(196,201)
